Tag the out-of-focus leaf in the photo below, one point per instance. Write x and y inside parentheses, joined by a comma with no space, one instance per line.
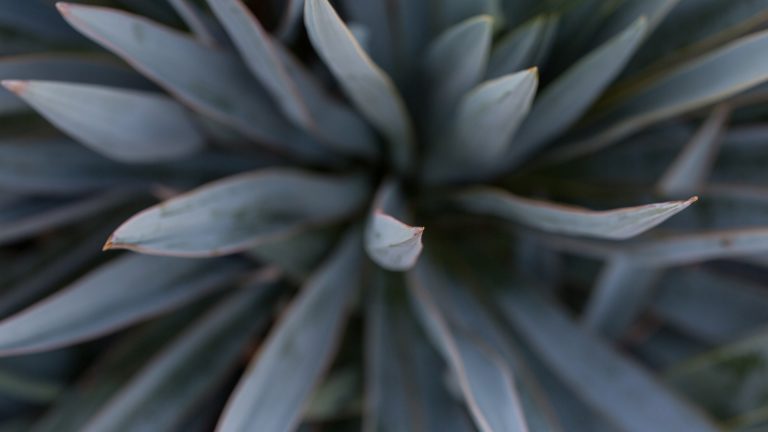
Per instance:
(52,268)
(389,242)
(297,254)
(195,20)
(405,391)
(655,11)
(110,372)
(452,12)
(486,382)
(283,374)
(523,48)
(621,391)
(465,312)
(690,169)
(240,212)
(291,20)
(37,18)
(213,343)
(729,381)
(732,307)
(268,65)
(209,80)
(692,248)
(336,397)
(63,67)
(729,70)
(621,292)
(366,85)
(29,389)
(610,224)
(454,63)
(32,216)
(710,23)
(55,167)
(566,99)
(115,295)
(125,125)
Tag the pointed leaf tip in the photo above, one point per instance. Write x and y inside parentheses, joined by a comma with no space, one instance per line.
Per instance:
(15,86)
(62,7)
(393,244)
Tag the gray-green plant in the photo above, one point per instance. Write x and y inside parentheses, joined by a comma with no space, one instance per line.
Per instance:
(383,215)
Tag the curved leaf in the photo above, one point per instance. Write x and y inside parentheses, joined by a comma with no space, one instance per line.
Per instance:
(691,168)
(522,48)
(125,125)
(64,67)
(621,391)
(281,376)
(240,212)
(389,242)
(306,107)
(731,69)
(210,81)
(455,62)
(487,120)
(566,99)
(115,295)
(367,86)
(485,380)
(610,224)
(213,343)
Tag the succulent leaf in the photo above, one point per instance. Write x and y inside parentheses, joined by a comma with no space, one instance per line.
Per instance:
(240,212)
(281,376)
(111,297)
(610,224)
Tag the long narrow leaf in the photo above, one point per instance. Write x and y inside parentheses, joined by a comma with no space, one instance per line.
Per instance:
(565,100)
(610,224)
(281,377)
(125,125)
(213,343)
(118,294)
(620,390)
(273,69)
(733,68)
(210,81)
(240,212)
(367,86)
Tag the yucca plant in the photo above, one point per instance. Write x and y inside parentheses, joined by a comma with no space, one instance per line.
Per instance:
(383,215)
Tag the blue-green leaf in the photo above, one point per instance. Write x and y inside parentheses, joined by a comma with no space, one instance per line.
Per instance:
(610,224)
(523,48)
(455,62)
(125,125)
(566,99)
(27,217)
(240,212)
(621,391)
(389,242)
(486,381)
(281,376)
(486,120)
(270,65)
(730,70)
(367,86)
(691,168)
(115,295)
(214,343)
(64,67)
(210,81)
